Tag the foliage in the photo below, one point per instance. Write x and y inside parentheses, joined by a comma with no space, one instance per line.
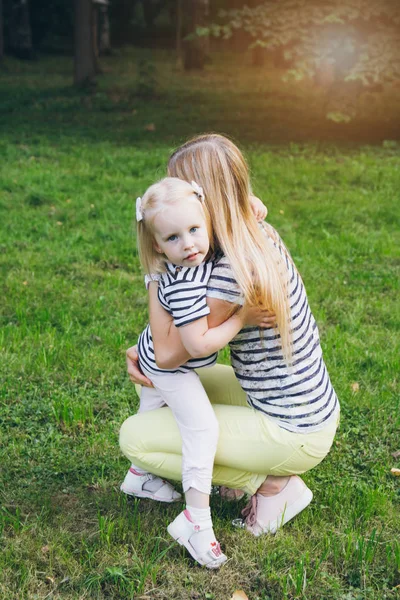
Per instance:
(357,41)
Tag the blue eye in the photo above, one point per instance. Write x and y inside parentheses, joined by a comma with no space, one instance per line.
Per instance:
(172,238)
(193,229)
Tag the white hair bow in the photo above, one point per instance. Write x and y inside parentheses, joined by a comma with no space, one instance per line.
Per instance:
(198,191)
(139,211)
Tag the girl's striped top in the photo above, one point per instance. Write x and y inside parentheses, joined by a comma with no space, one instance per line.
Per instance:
(182,292)
(299,397)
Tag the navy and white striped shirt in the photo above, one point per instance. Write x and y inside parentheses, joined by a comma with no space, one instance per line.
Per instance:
(300,397)
(182,292)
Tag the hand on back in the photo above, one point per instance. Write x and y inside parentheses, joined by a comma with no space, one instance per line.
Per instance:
(253,316)
(134,372)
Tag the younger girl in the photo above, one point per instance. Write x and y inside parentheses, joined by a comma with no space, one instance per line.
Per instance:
(174,234)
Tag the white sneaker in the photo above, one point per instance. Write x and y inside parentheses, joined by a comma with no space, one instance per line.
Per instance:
(184,531)
(146,485)
(266,514)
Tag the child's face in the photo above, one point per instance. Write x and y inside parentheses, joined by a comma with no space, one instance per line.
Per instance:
(180,233)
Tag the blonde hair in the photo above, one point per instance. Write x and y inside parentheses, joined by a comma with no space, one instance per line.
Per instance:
(157,198)
(219,167)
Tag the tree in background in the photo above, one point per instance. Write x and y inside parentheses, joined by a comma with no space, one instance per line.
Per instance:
(104,43)
(179,30)
(195,47)
(84,56)
(20,32)
(344,47)
(1,31)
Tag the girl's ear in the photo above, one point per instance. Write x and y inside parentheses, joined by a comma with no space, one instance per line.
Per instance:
(157,248)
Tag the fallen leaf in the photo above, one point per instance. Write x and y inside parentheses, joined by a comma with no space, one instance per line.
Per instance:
(59,223)
(396,454)
(282,212)
(68,201)
(355,387)
(150,127)
(50,580)
(395,472)
(24,283)
(239,595)
(45,549)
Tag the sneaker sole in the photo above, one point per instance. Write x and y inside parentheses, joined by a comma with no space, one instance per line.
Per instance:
(148,495)
(183,542)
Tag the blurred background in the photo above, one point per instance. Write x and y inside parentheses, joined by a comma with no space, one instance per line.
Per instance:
(281,70)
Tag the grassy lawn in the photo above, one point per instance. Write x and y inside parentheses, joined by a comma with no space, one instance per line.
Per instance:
(73,300)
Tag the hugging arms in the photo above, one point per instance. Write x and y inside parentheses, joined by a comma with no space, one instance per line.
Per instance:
(276,411)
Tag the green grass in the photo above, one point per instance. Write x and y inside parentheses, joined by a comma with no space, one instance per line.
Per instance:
(73,300)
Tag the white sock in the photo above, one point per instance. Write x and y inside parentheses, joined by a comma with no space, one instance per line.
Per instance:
(202,540)
(200,515)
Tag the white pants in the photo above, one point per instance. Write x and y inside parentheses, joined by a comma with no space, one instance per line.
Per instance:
(184,394)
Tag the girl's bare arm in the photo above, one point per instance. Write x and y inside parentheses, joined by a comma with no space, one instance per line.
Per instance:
(169,349)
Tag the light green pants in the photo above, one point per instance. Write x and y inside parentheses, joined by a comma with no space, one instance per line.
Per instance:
(250,445)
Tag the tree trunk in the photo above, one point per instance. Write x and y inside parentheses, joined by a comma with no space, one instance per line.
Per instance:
(104,29)
(95,37)
(195,50)
(84,62)
(179,24)
(1,31)
(20,30)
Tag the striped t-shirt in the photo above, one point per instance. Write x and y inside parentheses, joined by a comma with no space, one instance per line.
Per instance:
(299,397)
(182,292)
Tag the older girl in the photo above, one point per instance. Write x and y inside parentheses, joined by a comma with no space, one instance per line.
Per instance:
(282,419)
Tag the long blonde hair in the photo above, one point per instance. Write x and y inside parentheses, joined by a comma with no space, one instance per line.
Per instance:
(157,197)
(259,269)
